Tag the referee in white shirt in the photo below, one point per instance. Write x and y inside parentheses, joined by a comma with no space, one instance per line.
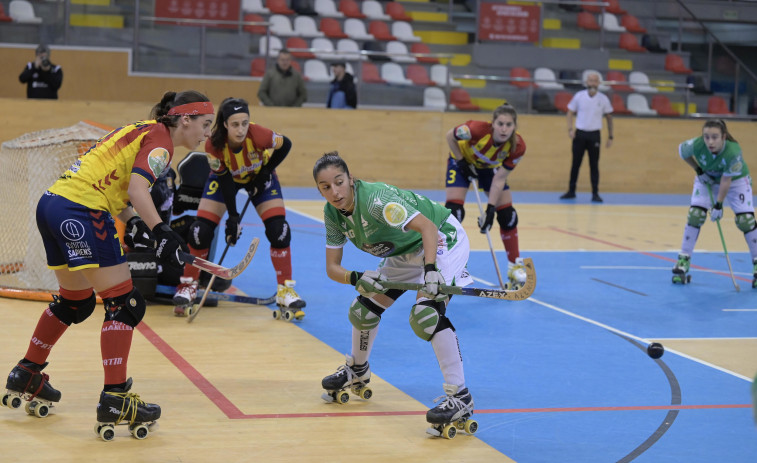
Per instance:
(588,106)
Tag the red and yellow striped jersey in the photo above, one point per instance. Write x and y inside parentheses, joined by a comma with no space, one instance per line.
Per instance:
(477,146)
(99,179)
(246,162)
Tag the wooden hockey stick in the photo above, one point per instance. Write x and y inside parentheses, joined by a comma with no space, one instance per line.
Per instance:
(509,295)
(488,237)
(218,270)
(722,240)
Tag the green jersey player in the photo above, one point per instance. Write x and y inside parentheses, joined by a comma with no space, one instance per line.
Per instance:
(720,168)
(419,241)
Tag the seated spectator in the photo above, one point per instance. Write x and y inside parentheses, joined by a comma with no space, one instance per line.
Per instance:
(342,93)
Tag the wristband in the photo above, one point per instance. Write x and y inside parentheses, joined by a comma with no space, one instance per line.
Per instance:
(354,277)
(698,170)
(429,268)
(718,205)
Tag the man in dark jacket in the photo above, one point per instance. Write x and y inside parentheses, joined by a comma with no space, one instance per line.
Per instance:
(283,85)
(42,78)
(342,93)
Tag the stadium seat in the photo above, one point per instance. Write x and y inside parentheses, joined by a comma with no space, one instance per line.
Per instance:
(4,17)
(637,104)
(628,42)
(297,42)
(439,75)
(618,105)
(631,23)
(661,104)
(393,74)
(399,49)
(418,74)
(305,26)
(674,63)
(351,48)
(332,29)
(256,30)
(640,82)
(618,76)
(254,6)
(276,45)
(257,67)
(373,10)
(351,9)
(434,98)
(355,29)
(370,73)
(460,99)
(279,7)
(397,12)
(316,71)
(610,23)
(325,47)
(545,78)
(22,12)
(327,9)
(590,8)
(423,48)
(614,7)
(520,73)
(281,25)
(404,31)
(380,30)
(587,21)
(561,101)
(717,105)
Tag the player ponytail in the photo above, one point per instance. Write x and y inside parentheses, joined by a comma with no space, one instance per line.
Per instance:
(719,124)
(229,106)
(508,109)
(327,160)
(160,111)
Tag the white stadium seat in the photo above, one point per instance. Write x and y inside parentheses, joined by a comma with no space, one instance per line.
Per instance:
(349,46)
(404,31)
(327,8)
(254,6)
(398,49)
(373,10)
(305,26)
(438,74)
(610,23)
(276,45)
(325,47)
(22,11)
(545,78)
(316,71)
(393,74)
(281,25)
(637,104)
(355,29)
(434,98)
(640,82)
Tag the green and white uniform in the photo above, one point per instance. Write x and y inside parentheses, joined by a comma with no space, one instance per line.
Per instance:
(378,224)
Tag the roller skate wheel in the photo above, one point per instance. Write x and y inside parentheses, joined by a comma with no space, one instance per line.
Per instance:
(342,397)
(191,310)
(299,315)
(179,311)
(471,426)
(688,278)
(139,431)
(107,432)
(515,286)
(41,410)
(14,402)
(366,393)
(449,431)
(276,314)
(5,400)
(288,315)
(508,286)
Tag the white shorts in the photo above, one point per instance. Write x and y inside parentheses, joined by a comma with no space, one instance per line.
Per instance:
(739,196)
(451,262)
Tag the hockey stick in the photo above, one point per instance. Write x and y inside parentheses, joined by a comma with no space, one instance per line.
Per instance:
(193,311)
(216,296)
(722,240)
(218,270)
(521,294)
(488,238)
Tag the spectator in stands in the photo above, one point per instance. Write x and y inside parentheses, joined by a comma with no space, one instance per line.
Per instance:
(42,78)
(283,85)
(342,93)
(588,106)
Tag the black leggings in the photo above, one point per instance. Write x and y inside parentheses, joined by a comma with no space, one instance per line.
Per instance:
(586,141)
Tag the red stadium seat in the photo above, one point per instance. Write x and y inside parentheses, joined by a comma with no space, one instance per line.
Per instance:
(279,7)
(380,30)
(674,63)
(418,74)
(332,29)
(461,100)
(370,73)
(629,42)
(614,7)
(520,73)
(4,17)
(257,67)
(587,21)
(618,105)
(618,76)
(661,104)
(423,48)
(397,12)
(631,23)
(257,30)
(590,8)
(297,42)
(717,105)
(351,9)
(561,101)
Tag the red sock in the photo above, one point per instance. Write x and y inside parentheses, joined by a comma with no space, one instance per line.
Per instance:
(115,340)
(510,239)
(50,328)
(191,270)
(282,263)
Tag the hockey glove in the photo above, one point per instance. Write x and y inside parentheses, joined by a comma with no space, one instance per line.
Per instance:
(716,213)
(433,281)
(138,234)
(258,184)
(703,177)
(233,229)
(468,169)
(169,245)
(486,220)
(367,283)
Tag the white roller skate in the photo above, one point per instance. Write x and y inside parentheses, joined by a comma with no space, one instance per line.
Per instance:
(185,295)
(516,273)
(119,406)
(289,302)
(681,269)
(348,376)
(452,413)
(27,383)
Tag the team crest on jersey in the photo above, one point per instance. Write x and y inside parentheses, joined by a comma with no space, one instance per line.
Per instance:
(215,163)
(394,213)
(463,133)
(158,160)
(735,168)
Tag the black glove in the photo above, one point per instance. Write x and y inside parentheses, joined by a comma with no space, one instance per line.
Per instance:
(703,177)
(468,169)
(138,234)
(233,229)
(257,185)
(169,245)
(486,221)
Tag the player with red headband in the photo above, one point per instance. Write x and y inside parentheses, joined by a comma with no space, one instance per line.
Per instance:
(242,155)
(75,217)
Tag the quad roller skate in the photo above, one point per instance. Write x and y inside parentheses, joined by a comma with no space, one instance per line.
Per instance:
(289,303)
(452,414)
(27,383)
(119,406)
(516,274)
(754,276)
(185,296)
(681,270)
(348,376)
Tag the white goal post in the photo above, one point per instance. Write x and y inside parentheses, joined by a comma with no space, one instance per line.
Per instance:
(29,165)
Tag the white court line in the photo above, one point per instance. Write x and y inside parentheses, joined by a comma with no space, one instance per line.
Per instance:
(633,267)
(739,310)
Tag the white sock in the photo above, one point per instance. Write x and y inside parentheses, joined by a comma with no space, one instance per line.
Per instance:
(690,235)
(362,343)
(447,350)
(751,237)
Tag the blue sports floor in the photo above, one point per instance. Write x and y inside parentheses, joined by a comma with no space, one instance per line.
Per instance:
(564,376)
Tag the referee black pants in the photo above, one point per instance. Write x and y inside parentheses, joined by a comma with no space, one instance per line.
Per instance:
(586,141)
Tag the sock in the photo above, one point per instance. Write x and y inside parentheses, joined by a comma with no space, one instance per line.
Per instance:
(690,235)
(282,263)
(362,343)
(447,350)
(50,328)
(510,240)
(191,270)
(115,340)
(751,241)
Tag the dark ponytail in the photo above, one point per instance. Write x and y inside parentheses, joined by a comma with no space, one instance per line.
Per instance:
(159,112)
(720,124)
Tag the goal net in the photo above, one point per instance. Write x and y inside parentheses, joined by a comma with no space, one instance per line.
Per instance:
(29,165)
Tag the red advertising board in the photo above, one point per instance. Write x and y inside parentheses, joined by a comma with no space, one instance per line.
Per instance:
(509,23)
(225,10)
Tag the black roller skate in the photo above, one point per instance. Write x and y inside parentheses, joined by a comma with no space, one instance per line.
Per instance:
(452,413)
(681,270)
(754,276)
(27,383)
(348,376)
(119,406)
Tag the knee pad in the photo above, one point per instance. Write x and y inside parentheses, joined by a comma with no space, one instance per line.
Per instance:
(697,216)
(128,308)
(427,318)
(364,313)
(458,210)
(277,231)
(746,222)
(70,312)
(201,233)
(507,218)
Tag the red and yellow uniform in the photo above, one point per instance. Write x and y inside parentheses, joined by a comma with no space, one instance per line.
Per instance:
(476,144)
(245,163)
